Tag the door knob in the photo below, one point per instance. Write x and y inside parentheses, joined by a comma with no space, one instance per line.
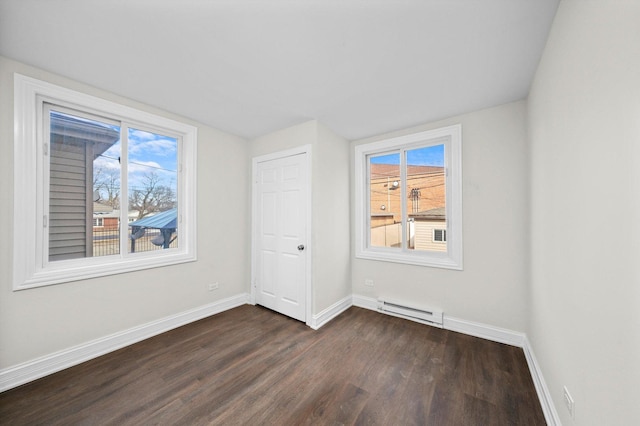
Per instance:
(301,247)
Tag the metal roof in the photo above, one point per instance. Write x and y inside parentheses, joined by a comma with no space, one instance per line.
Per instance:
(165,220)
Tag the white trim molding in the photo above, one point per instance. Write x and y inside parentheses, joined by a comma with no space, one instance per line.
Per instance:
(31,265)
(548,408)
(496,334)
(365,302)
(451,138)
(330,313)
(26,372)
(483,331)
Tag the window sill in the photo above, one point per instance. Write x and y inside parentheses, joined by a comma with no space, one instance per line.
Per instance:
(70,271)
(429,259)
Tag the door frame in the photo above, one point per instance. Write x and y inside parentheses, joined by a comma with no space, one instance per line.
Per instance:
(303,149)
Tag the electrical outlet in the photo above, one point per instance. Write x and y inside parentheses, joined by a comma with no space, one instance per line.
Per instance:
(568,401)
(368,282)
(213,286)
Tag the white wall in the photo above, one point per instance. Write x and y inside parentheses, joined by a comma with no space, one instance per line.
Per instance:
(41,321)
(330,205)
(584,130)
(492,287)
(531,215)
(331,190)
(280,140)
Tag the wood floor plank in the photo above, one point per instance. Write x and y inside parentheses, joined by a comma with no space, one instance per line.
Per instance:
(252,366)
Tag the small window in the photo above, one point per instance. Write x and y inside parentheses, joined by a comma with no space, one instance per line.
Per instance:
(408,194)
(113,187)
(440,235)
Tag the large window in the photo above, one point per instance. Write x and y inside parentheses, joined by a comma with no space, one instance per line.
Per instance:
(408,199)
(100,188)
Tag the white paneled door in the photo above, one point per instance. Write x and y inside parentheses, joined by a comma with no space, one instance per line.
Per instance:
(280,233)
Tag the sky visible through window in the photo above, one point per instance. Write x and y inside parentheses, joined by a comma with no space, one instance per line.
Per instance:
(428,156)
(150,163)
(148,153)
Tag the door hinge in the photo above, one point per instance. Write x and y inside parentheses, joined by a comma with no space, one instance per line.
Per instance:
(45,148)
(44,221)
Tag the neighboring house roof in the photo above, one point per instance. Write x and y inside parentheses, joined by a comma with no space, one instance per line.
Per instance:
(433,214)
(113,213)
(99,208)
(102,135)
(164,220)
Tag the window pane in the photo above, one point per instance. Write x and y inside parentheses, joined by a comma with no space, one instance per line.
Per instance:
(79,165)
(384,201)
(426,198)
(152,180)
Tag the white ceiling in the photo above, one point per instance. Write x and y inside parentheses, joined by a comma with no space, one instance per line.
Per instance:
(361,67)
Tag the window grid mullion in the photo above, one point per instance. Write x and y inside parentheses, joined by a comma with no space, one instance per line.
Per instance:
(124,190)
(367,196)
(403,196)
(44,124)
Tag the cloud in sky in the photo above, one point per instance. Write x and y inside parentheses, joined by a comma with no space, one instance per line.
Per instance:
(141,167)
(147,153)
(106,163)
(143,143)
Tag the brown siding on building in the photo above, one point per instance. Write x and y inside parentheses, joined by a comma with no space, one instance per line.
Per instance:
(111,223)
(429,181)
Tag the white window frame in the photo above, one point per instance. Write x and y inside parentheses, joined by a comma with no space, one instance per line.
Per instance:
(451,137)
(98,222)
(30,266)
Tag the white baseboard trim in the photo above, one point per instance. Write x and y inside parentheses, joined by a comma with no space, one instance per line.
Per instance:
(471,328)
(495,334)
(365,302)
(548,408)
(26,372)
(323,317)
(484,331)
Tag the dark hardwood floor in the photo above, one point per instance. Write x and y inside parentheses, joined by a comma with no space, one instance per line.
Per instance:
(251,366)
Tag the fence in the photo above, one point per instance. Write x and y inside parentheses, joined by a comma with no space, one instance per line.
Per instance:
(420,235)
(107,241)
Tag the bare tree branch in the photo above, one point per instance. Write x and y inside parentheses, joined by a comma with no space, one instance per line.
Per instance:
(151,197)
(107,183)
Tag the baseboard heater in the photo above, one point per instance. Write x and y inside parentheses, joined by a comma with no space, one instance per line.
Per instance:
(399,309)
